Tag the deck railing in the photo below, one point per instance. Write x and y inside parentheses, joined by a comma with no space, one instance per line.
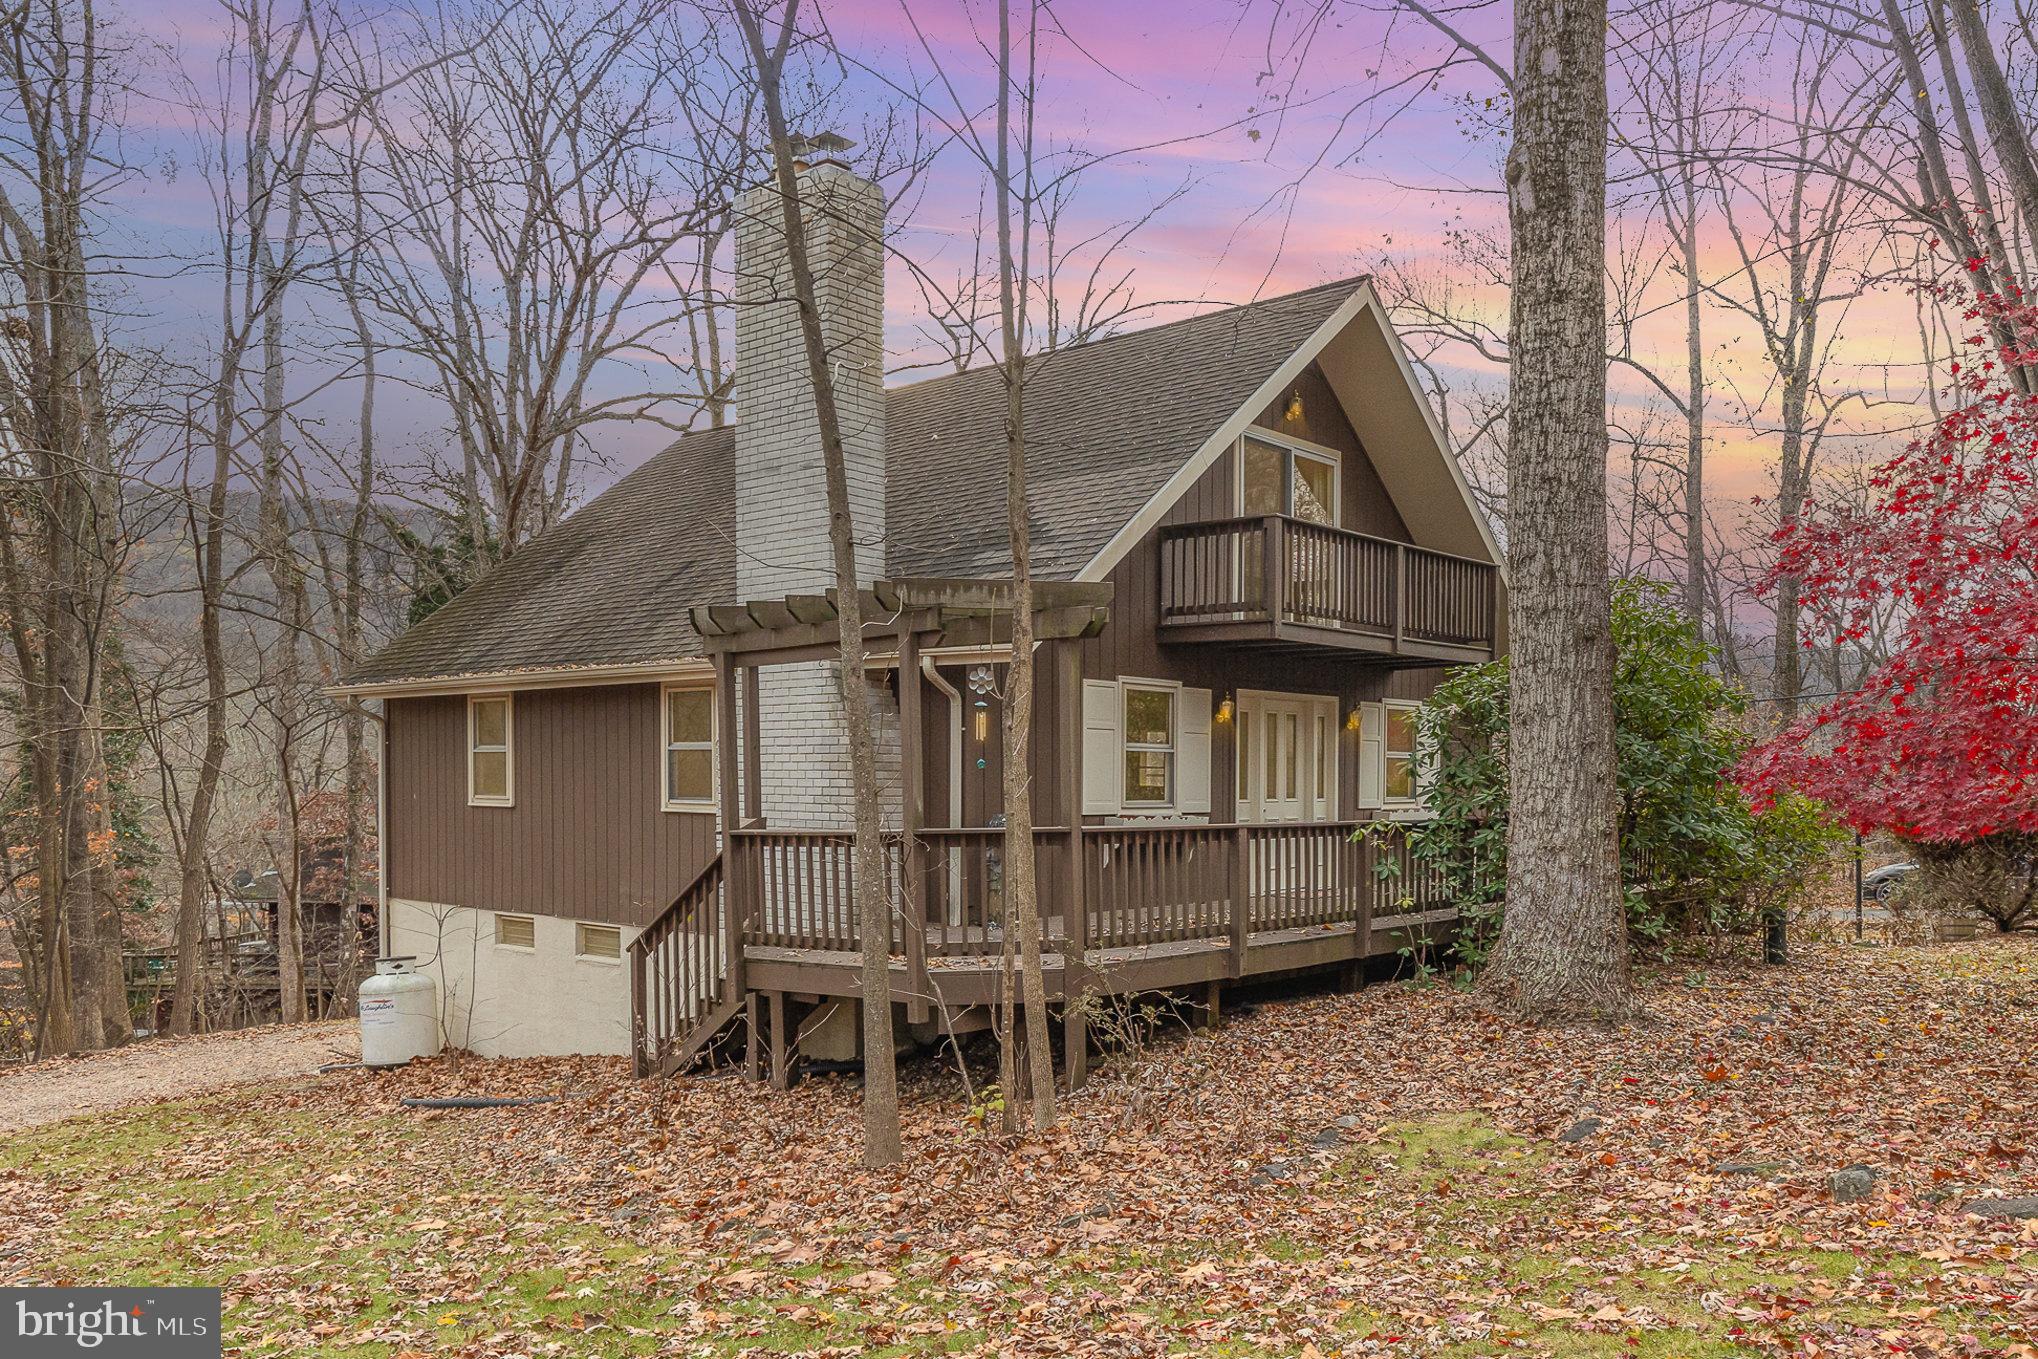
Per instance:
(1273,568)
(1101,889)
(1141,884)
(679,968)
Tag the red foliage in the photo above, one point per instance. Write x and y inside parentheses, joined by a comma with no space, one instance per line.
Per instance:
(1941,742)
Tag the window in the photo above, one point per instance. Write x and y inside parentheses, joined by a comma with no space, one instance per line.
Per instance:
(488,751)
(1149,744)
(1399,782)
(1279,479)
(1323,761)
(516,931)
(689,728)
(1245,767)
(604,943)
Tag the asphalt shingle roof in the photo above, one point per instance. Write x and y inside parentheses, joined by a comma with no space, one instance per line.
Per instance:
(1107,424)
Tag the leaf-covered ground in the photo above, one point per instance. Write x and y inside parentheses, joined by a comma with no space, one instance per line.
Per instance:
(1375,1174)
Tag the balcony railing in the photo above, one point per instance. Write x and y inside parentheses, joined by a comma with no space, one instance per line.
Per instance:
(1221,577)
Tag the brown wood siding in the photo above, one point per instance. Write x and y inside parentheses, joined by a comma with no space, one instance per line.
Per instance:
(586,838)
(1130,645)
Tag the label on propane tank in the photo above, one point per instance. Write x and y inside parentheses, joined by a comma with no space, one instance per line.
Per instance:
(378,1010)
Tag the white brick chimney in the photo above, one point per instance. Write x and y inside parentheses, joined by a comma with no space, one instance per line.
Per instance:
(781,489)
(781,496)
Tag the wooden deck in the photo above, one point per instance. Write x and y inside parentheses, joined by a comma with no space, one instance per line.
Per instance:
(1125,909)
(1275,583)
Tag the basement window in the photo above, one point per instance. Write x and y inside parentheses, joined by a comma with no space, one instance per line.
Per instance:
(602,943)
(488,751)
(516,931)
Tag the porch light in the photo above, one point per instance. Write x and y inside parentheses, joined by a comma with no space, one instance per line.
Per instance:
(1352,720)
(1224,710)
(1293,412)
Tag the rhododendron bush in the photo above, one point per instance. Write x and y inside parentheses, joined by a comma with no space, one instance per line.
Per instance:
(1940,742)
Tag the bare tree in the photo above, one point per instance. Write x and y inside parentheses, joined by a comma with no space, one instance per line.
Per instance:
(874,914)
(524,194)
(61,543)
(1793,226)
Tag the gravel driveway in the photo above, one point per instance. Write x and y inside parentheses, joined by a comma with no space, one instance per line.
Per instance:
(169,1068)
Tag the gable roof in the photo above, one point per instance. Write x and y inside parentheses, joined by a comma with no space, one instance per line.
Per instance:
(1109,426)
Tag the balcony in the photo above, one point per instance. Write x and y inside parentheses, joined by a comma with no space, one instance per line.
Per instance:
(1277,583)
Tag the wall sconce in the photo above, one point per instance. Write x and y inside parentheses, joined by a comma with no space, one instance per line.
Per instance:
(1352,720)
(1293,411)
(1224,711)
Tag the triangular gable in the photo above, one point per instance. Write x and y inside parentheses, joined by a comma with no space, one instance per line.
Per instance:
(1363,360)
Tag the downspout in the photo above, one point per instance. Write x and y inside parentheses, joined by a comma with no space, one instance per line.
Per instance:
(382,830)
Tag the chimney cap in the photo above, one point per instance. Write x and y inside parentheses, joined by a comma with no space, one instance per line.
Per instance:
(821,147)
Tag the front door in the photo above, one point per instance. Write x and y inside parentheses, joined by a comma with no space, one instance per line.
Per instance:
(1286,757)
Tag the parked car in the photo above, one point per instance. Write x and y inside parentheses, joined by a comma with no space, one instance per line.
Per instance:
(1881,884)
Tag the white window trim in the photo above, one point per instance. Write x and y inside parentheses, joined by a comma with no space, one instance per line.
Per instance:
(509,751)
(1387,753)
(1293,446)
(531,947)
(622,944)
(1126,685)
(666,801)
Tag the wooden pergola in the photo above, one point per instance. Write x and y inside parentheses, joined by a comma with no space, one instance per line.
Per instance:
(906,620)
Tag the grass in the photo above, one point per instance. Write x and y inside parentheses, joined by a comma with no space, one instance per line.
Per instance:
(371,1240)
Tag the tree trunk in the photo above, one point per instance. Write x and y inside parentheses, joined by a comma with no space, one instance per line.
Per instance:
(192,877)
(873,897)
(1695,587)
(1999,112)
(1563,950)
(1022,894)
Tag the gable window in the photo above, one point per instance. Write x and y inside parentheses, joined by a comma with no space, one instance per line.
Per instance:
(1398,781)
(489,774)
(601,943)
(689,738)
(1150,744)
(1278,478)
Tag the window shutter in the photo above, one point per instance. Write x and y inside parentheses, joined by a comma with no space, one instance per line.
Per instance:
(1192,752)
(1372,755)
(1103,747)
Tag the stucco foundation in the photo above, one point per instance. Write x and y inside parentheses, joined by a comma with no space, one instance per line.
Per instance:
(500,1001)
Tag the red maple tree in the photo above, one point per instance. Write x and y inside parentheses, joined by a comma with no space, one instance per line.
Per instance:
(1939,742)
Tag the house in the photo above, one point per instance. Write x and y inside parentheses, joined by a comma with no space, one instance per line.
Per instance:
(617,786)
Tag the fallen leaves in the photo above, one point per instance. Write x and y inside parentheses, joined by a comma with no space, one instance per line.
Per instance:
(1346,1175)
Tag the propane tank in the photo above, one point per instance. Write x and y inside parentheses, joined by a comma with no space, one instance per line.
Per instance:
(399,1014)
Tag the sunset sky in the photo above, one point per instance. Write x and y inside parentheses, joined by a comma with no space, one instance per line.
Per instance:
(1282,175)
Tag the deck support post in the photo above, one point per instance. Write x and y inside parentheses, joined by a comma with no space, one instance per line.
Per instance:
(1075,1041)
(912,819)
(1274,568)
(1075,918)
(735,878)
(753,1047)
(779,1065)
(753,749)
(1241,897)
(1213,1003)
